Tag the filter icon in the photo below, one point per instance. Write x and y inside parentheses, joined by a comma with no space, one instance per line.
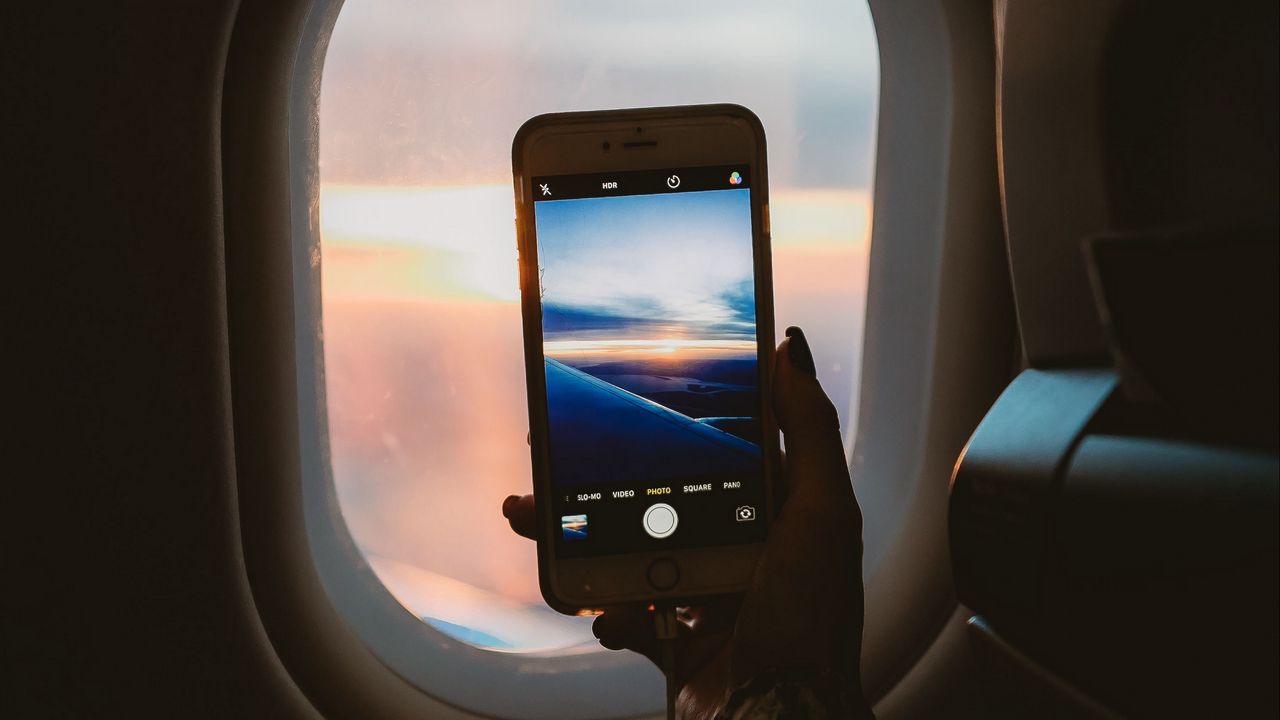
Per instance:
(735,178)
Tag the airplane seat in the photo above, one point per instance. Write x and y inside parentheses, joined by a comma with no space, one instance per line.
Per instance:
(1190,125)
(1113,516)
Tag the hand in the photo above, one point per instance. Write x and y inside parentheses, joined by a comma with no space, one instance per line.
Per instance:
(805,603)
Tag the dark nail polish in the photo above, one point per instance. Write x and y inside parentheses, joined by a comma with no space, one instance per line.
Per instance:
(798,351)
(507,504)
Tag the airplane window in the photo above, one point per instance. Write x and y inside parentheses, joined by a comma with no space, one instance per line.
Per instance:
(423,359)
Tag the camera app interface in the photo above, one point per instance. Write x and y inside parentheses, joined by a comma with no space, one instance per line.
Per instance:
(650,353)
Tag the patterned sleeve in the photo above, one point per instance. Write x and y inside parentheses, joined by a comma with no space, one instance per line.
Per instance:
(796,693)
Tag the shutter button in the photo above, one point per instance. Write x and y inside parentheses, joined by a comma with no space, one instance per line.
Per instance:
(660,520)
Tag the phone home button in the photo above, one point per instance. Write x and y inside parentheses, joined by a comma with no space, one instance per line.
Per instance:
(664,574)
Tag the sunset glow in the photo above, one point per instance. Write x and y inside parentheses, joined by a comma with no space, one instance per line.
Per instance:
(558,348)
(457,243)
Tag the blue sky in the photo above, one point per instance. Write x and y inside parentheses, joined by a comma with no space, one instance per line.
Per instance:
(645,266)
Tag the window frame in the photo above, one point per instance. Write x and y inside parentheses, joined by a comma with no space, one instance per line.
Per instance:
(932,222)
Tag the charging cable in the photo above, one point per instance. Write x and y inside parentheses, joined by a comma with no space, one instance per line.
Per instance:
(666,627)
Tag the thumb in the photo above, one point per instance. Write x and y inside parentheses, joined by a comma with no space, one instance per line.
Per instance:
(816,467)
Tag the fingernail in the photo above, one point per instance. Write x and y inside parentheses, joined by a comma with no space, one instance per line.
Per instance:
(798,351)
(507,504)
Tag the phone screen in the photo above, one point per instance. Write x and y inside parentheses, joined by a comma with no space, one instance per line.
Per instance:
(649,307)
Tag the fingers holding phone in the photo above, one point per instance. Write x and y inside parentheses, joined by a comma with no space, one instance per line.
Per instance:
(805,604)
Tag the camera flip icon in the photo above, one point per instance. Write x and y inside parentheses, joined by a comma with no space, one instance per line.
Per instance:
(744,513)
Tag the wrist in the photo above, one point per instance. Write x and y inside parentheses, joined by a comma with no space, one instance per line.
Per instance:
(806,691)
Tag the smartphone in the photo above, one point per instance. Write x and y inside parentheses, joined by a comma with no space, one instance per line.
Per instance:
(647,302)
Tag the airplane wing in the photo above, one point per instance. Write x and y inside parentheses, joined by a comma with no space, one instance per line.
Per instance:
(603,434)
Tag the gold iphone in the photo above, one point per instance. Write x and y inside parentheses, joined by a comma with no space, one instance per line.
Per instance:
(648,326)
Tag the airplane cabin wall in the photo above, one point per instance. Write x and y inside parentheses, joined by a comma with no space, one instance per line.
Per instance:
(125,594)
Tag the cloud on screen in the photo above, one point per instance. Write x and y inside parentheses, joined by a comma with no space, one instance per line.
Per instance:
(646,265)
